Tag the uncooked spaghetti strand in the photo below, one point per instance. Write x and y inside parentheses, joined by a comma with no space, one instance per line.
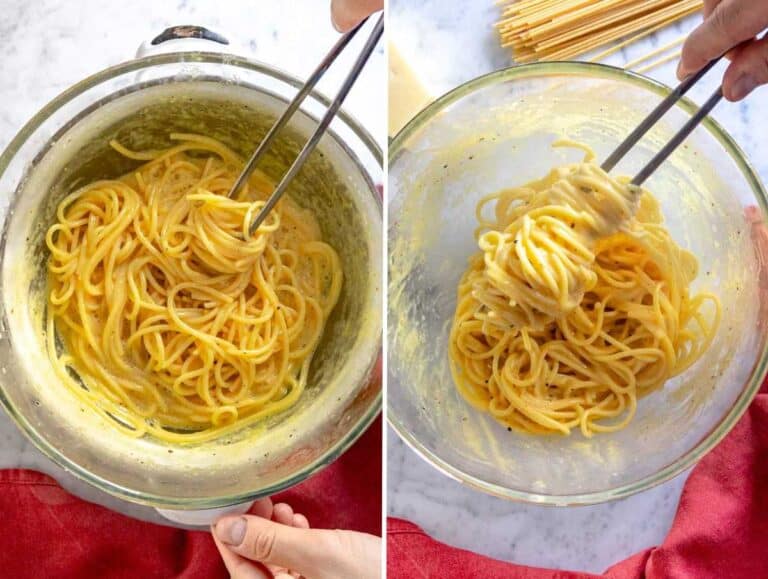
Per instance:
(631,40)
(660,50)
(656,63)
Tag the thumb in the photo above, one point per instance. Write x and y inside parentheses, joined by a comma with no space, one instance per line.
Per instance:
(345,14)
(310,552)
(270,543)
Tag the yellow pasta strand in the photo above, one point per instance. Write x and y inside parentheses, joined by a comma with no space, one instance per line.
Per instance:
(576,305)
(177,322)
(655,52)
(658,62)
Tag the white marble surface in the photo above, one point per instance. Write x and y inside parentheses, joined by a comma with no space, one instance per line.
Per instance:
(48,45)
(576,538)
(449,42)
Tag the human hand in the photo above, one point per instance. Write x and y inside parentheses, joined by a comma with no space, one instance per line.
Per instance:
(346,13)
(728,23)
(276,542)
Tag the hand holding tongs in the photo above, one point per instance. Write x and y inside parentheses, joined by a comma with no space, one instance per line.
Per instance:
(655,115)
(321,127)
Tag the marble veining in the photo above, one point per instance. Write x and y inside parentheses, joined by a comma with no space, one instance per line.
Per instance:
(449,42)
(48,45)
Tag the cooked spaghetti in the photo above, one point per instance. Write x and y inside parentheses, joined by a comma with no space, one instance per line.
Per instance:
(176,321)
(576,305)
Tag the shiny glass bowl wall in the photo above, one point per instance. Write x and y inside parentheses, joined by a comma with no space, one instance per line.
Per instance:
(139,103)
(496,132)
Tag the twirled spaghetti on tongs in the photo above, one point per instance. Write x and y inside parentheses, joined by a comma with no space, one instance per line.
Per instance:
(576,305)
(178,322)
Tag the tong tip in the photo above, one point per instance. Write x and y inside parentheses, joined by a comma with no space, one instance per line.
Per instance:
(257,221)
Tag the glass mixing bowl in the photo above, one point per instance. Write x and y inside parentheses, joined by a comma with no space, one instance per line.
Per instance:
(495,132)
(140,103)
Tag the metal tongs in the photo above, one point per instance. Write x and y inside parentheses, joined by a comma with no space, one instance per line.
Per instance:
(321,127)
(655,115)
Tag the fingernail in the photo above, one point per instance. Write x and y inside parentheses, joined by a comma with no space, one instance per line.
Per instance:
(334,11)
(231,531)
(333,21)
(742,86)
(681,73)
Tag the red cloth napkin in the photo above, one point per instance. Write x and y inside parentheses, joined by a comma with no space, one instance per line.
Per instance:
(720,530)
(47,532)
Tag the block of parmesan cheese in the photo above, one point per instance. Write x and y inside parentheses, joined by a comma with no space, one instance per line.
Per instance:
(407,95)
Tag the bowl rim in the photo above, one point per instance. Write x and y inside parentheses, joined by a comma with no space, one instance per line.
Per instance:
(727,422)
(356,429)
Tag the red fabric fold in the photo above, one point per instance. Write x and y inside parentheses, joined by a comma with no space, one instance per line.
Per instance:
(720,530)
(47,532)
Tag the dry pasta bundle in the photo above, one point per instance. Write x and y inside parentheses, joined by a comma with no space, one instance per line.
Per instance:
(563,29)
